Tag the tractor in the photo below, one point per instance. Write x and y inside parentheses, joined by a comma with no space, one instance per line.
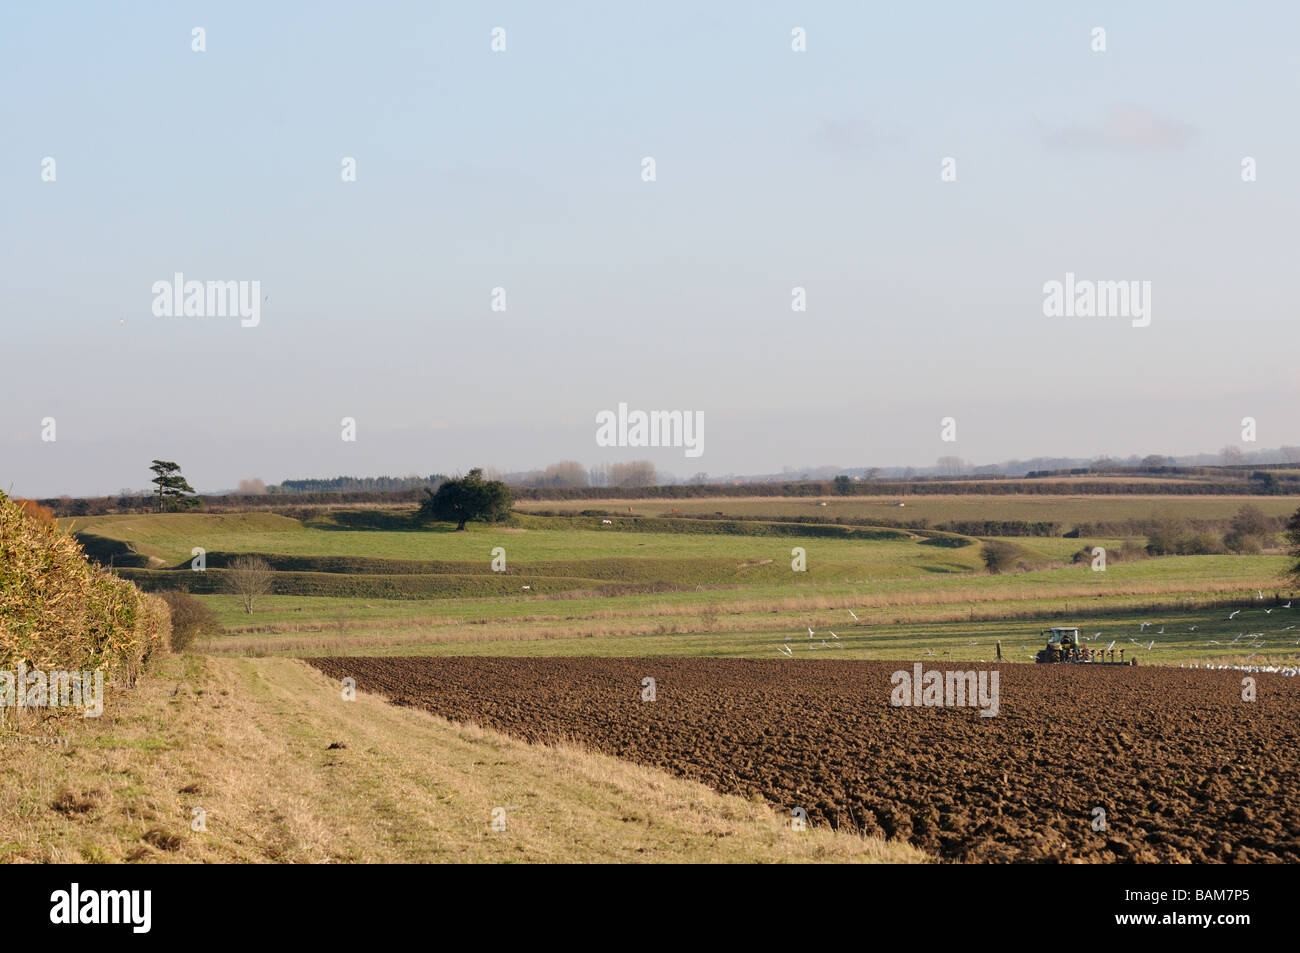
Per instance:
(1064,645)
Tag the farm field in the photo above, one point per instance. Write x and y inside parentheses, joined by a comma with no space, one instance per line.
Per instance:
(1066,510)
(172,537)
(577,587)
(694,629)
(1183,768)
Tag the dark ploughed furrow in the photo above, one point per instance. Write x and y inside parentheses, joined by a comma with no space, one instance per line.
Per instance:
(1183,768)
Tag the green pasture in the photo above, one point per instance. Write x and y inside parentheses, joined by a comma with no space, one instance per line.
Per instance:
(374,583)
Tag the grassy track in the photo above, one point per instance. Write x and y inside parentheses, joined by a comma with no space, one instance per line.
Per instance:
(249,742)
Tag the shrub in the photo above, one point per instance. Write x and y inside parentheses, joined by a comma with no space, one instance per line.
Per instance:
(190,619)
(998,556)
(1250,531)
(1165,537)
(1243,544)
(1174,537)
(1292,536)
(59,612)
(1202,544)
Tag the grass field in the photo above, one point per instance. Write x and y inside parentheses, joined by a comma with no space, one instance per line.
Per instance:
(703,588)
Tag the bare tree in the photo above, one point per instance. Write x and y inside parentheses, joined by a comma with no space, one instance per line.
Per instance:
(565,473)
(248,577)
(634,473)
(951,466)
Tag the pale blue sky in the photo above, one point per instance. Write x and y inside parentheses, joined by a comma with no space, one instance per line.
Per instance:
(522,169)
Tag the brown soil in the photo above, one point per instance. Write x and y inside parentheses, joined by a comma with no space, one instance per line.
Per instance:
(1184,769)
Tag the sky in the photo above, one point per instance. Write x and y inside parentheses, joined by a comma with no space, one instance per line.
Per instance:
(522,169)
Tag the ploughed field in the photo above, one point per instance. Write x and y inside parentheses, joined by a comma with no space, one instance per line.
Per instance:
(1183,768)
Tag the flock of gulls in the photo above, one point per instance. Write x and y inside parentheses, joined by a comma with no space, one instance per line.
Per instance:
(1253,640)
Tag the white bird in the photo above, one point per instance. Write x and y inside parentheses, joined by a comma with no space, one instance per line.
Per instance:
(1288,627)
(834,636)
(1142,628)
(1152,645)
(1234,615)
(525,588)
(929,651)
(786,651)
(810,633)
(1192,629)
(1288,605)
(1261,594)
(1212,642)
(1162,631)
(1268,612)
(855,618)
(1111,646)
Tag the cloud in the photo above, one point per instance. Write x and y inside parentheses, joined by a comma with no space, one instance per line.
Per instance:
(1125,129)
